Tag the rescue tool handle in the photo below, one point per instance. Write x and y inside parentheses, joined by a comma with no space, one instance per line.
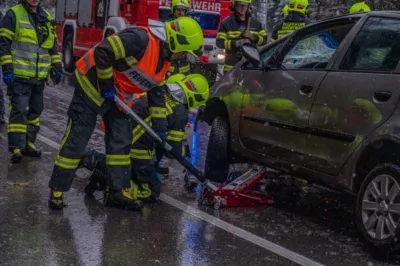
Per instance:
(176,154)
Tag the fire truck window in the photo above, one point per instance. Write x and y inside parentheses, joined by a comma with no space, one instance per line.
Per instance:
(101,13)
(163,14)
(207,21)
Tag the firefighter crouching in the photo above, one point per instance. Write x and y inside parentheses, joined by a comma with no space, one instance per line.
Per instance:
(182,94)
(296,19)
(136,59)
(27,52)
(238,29)
(179,65)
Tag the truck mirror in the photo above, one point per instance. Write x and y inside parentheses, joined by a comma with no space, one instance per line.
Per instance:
(250,52)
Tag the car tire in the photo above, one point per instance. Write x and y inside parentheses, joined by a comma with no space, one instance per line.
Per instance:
(217,158)
(377,209)
(68,54)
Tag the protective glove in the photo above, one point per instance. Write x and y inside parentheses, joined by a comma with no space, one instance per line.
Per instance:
(239,43)
(8,78)
(251,36)
(59,76)
(109,94)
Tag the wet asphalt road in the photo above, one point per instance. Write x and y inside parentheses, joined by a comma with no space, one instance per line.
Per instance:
(312,229)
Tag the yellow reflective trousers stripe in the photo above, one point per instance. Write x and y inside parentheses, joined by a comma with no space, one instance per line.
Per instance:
(142,154)
(17,128)
(67,163)
(117,159)
(175,135)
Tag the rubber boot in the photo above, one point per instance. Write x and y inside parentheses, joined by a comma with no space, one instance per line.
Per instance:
(97,182)
(16,156)
(123,199)
(56,200)
(31,150)
(2,120)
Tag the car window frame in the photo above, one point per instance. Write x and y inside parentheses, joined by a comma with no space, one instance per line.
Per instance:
(261,50)
(354,32)
(310,29)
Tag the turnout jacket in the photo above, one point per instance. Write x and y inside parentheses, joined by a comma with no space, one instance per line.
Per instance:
(142,151)
(292,22)
(231,29)
(122,52)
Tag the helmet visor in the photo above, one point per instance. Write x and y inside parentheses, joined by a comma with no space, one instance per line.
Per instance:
(177,92)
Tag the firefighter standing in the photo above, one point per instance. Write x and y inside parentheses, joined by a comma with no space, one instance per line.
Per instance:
(133,61)
(238,29)
(179,8)
(182,94)
(27,52)
(360,7)
(296,19)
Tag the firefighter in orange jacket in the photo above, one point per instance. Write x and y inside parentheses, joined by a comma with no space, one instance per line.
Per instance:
(129,63)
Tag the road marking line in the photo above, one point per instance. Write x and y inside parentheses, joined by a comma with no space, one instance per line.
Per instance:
(230,228)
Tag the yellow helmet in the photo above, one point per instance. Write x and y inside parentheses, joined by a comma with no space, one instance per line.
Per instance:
(175,78)
(248,2)
(183,4)
(184,34)
(192,90)
(300,6)
(359,7)
(285,11)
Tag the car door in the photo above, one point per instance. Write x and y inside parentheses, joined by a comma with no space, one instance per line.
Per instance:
(275,116)
(357,95)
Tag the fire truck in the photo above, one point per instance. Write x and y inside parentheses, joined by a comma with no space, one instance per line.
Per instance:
(81,24)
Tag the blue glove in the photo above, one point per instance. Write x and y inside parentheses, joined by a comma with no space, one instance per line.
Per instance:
(162,135)
(109,94)
(8,78)
(328,40)
(59,76)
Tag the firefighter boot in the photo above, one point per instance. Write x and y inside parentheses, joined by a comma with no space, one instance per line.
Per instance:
(31,150)
(97,181)
(123,198)
(16,156)
(56,200)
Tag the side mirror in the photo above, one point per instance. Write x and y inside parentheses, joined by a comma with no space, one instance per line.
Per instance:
(250,52)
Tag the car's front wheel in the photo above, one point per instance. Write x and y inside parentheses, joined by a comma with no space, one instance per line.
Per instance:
(217,158)
(378,206)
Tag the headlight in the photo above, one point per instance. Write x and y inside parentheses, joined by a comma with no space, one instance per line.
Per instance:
(220,56)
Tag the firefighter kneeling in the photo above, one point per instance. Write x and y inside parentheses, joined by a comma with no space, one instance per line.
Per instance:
(182,94)
(133,61)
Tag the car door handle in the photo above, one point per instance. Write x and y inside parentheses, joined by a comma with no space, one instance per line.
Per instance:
(306,89)
(382,96)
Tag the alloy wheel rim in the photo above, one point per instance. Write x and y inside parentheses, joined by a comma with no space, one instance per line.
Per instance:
(380,209)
